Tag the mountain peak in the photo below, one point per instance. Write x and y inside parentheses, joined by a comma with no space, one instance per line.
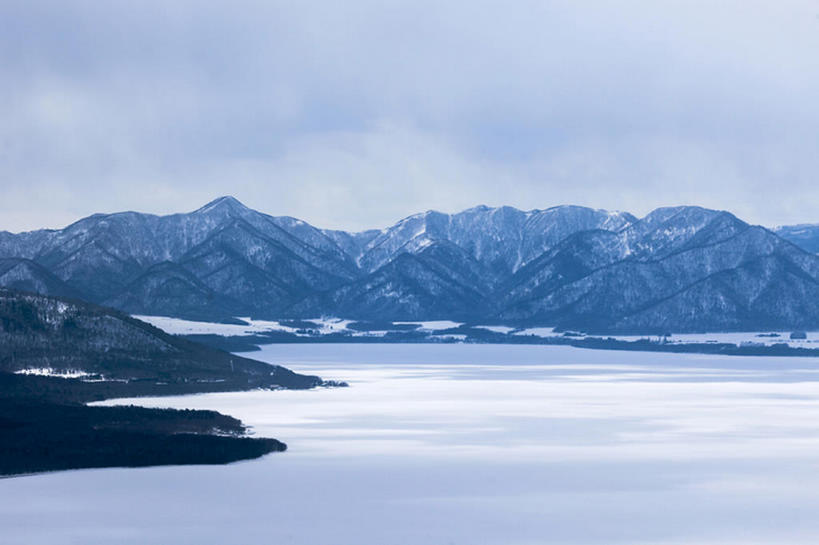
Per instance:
(226,202)
(479,208)
(565,265)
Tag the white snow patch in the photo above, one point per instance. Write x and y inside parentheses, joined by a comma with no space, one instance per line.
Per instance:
(496,328)
(330,325)
(378,333)
(49,372)
(434,325)
(539,332)
(424,243)
(178,326)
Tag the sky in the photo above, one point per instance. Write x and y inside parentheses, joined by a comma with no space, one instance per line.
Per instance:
(355,114)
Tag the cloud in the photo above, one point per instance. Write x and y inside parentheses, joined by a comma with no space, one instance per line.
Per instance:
(355,114)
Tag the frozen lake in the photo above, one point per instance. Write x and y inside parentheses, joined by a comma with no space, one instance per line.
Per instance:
(474,444)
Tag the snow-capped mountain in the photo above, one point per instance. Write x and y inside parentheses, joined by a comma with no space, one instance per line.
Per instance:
(677,269)
(502,239)
(219,258)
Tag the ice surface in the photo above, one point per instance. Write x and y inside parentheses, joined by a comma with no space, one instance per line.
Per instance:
(474,443)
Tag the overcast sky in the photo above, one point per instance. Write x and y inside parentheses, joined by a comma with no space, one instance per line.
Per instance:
(354,114)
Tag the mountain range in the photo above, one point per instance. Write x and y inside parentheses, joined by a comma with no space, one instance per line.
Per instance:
(676,269)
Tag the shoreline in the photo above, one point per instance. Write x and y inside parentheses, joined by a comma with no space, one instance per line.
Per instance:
(253,343)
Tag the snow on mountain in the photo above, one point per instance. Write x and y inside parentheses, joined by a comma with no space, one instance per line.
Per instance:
(681,268)
(724,274)
(503,239)
(223,244)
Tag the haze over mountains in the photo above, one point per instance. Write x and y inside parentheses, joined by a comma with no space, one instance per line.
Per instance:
(676,269)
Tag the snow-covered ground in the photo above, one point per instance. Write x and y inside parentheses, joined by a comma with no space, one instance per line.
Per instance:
(49,372)
(330,325)
(326,326)
(322,326)
(177,326)
(435,325)
(450,337)
(496,328)
(758,338)
(539,332)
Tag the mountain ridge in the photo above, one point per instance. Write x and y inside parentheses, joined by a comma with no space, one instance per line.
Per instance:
(57,354)
(564,266)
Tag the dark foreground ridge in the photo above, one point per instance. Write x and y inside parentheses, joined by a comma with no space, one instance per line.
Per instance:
(38,436)
(46,426)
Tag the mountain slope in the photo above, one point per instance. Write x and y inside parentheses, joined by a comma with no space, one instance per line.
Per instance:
(26,275)
(104,258)
(806,236)
(261,273)
(722,275)
(176,291)
(119,354)
(501,239)
(683,268)
(440,281)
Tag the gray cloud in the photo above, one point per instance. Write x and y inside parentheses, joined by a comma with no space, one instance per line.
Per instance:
(355,114)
